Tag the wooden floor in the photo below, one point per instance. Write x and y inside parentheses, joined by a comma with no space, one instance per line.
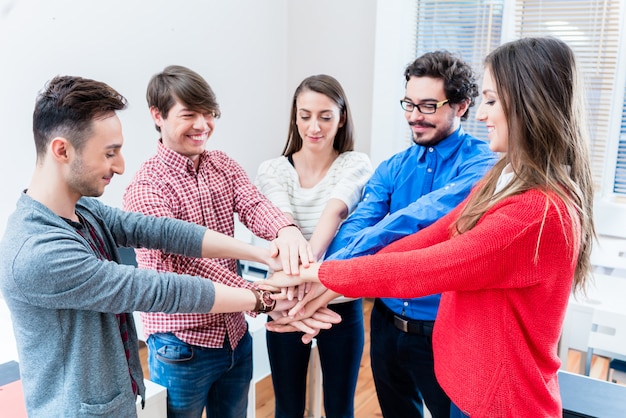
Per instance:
(365,401)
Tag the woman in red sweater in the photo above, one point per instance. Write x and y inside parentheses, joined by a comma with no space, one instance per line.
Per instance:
(507,259)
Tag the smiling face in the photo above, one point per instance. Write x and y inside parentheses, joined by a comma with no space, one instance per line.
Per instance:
(490,111)
(318,119)
(431,129)
(185,131)
(94,164)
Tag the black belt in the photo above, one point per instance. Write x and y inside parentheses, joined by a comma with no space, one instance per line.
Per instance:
(410,326)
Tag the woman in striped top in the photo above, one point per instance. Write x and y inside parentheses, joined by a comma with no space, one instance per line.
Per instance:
(318,181)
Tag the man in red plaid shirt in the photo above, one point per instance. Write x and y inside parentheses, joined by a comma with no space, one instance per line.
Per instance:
(204,360)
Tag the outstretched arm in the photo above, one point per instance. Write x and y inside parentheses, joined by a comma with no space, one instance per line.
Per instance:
(374,224)
(232,299)
(218,245)
(281,280)
(334,212)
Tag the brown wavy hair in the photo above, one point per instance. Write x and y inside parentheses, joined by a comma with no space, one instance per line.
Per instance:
(542,98)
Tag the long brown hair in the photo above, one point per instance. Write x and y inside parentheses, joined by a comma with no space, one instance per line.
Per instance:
(329,87)
(542,98)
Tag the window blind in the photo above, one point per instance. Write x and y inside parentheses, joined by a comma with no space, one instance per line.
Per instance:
(620,169)
(470,29)
(592,29)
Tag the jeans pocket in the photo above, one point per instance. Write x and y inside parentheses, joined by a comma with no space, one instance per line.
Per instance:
(170,349)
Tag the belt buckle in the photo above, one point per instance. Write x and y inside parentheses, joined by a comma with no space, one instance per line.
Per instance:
(401,324)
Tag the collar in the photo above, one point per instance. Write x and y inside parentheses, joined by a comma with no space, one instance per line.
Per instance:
(446,147)
(505,178)
(175,160)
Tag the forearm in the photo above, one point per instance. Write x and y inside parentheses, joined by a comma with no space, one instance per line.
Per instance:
(233,299)
(332,215)
(311,273)
(218,245)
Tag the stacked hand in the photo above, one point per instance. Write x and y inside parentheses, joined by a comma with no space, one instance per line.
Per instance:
(301,303)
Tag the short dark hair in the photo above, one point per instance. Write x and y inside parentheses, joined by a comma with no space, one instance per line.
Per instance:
(68,105)
(459,80)
(331,88)
(176,82)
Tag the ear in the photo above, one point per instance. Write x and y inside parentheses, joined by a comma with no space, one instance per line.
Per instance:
(60,149)
(157,117)
(462,108)
(342,120)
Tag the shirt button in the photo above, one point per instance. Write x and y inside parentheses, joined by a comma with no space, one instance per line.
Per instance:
(406,303)
(430,170)
(431,149)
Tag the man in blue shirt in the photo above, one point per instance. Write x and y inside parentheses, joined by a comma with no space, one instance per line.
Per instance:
(408,192)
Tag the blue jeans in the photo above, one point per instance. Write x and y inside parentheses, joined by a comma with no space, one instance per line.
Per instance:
(340,349)
(403,370)
(195,377)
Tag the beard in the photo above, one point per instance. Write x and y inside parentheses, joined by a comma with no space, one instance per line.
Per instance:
(82,180)
(433,135)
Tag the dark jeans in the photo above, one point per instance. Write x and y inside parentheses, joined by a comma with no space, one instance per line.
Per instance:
(340,349)
(195,377)
(455,412)
(403,369)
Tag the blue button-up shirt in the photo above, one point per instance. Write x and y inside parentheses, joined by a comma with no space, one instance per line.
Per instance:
(408,192)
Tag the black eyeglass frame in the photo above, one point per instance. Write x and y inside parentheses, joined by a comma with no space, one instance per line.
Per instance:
(431,108)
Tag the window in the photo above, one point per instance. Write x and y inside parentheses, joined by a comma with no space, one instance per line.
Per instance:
(472,28)
(469,29)
(619,184)
(594,30)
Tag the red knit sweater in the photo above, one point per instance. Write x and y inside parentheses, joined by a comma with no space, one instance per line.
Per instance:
(505,286)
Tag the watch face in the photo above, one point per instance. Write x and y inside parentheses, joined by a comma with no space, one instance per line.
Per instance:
(268,302)
(267,298)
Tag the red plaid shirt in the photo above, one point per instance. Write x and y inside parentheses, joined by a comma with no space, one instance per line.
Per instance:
(168,185)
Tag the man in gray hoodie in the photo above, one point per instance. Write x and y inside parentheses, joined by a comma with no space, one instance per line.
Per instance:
(70,300)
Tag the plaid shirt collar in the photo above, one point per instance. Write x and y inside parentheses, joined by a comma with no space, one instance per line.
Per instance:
(176,161)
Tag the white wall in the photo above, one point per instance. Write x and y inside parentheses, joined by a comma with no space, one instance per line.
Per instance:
(252,52)
(336,38)
(394,50)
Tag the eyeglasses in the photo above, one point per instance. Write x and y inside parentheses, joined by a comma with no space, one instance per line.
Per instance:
(424,108)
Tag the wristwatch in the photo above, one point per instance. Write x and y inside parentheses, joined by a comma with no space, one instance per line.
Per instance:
(264,301)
